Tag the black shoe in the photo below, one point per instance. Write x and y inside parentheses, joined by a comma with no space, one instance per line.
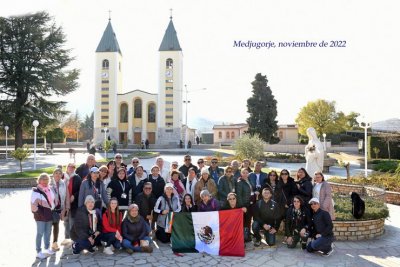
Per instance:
(327,254)
(257,243)
(91,250)
(303,245)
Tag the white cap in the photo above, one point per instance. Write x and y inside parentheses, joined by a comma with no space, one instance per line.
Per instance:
(314,199)
(94,169)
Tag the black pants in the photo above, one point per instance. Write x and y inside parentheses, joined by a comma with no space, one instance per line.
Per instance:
(162,235)
(56,230)
(296,239)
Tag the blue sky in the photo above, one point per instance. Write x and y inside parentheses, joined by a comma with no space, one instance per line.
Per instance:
(361,77)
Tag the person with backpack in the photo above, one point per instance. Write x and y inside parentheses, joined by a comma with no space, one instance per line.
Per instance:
(42,205)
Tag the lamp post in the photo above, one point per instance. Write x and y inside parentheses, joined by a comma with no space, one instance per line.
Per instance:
(186,101)
(105,139)
(324,135)
(6,128)
(35,124)
(365,125)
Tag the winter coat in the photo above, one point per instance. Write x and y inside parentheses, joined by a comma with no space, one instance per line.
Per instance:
(225,186)
(216,174)
(82,230)
(118,187)
(305,190)
(289,190)
(295,221)
(253,180)
(321,224)
(325,199)
(212,205)
(40,206)
(134,231)
(267,213)
(210,185)
(244,193)
(145,203)
(88,188)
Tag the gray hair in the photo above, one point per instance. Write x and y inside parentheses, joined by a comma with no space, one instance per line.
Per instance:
(89,198)
(204,192)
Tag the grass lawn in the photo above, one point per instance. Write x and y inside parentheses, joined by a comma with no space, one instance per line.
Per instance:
(29,174)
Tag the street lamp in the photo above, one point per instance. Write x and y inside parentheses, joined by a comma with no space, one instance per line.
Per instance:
(186,112)
(35,124)
(324,135)
(365,125)
(105,139)
(6,128)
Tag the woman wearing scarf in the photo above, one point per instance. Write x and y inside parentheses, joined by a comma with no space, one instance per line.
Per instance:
(61,204)
(179,188)
(120,189)
(135,232)
(42,204)
(87,228)
(298,221)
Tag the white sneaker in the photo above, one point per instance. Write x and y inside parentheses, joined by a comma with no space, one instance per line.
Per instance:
(41,256)
(108,251)
(49,252)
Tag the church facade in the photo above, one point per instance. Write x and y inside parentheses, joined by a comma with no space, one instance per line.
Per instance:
(130,117)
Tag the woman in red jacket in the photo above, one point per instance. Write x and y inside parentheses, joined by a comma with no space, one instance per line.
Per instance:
(112,219)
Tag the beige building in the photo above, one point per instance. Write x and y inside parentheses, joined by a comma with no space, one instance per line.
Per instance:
(132,116)
(227,134)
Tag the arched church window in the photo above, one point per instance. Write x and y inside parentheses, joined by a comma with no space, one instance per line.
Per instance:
(138,109)
(170,63)
(227,135)
(219,135)
(232,135)
(151,112)
(123,113)
(106,64)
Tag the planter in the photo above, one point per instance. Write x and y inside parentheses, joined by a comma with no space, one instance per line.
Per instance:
(389,196)
(358,230)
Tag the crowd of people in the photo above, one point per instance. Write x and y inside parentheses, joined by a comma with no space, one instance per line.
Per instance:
(121,207)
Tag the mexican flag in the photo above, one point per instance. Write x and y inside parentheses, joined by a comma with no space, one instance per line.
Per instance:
(214,232)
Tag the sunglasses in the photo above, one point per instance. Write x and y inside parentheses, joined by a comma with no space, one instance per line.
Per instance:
(200,162)
(214,162)
(231,198)
(284,173)
(134,162)
(118,157)
(96,172)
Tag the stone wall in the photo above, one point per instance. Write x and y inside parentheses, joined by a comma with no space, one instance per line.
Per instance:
(388,196)
(17,182)
(358,230)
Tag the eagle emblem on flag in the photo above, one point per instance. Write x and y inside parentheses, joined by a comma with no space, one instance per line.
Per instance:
(206,235)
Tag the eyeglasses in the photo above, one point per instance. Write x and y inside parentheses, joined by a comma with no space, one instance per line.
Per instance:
(188,159)
(314,203)
(134,162)
(214,162)
(118,157)
(147,188)
(231,198)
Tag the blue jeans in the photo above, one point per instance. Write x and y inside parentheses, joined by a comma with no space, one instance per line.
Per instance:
(43,229)
(68,222)
(269,238)
(322,243)
(128,244)
(109,239)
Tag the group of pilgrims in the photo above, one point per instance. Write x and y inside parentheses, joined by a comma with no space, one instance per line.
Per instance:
(117,207)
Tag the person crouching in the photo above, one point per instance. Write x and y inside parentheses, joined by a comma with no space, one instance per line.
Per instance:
(135,232)
(87,228)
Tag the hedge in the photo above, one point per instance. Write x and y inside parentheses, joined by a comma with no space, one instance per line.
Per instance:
(376,141)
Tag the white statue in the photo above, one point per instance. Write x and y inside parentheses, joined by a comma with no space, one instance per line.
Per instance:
(314,153)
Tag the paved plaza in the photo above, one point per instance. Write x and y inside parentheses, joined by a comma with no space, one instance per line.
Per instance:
(18,235)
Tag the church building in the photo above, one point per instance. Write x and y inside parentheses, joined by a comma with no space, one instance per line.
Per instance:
(129,117)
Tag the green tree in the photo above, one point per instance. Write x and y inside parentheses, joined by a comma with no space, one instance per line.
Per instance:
(33,64)
(107,146)
(21,154)
(249,147)
(322,116)
(55,135)
(87,127)
(262,109)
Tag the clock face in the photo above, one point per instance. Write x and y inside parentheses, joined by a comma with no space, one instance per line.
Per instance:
(168,73)
(104,75)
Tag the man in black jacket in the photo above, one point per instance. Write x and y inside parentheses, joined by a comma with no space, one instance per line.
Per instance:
(146,201)
(321,230)
(266,217)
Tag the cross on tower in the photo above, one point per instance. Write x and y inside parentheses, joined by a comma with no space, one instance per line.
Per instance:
(170,10)
(109,14)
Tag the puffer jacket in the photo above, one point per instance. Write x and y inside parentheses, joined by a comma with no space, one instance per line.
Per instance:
(162,205)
